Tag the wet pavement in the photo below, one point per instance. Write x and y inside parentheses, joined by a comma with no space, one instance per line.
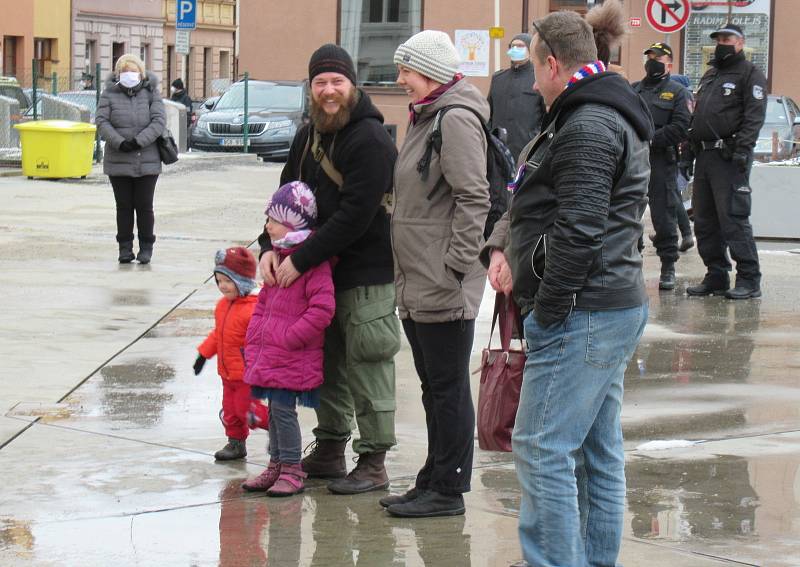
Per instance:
(107,437)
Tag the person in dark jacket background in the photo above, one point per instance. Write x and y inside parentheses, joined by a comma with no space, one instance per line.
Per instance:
(178,94)
(669,106)
(513,103)
(576,214)
(728,115)
(130,118)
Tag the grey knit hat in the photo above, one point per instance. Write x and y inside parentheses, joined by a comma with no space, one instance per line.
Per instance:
(524,37)
(430,53)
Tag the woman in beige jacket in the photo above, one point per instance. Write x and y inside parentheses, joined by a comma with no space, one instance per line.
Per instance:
(437,232)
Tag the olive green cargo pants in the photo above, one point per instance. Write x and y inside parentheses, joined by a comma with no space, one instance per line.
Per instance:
(360,345)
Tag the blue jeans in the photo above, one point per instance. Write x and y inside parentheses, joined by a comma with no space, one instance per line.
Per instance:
(567,438)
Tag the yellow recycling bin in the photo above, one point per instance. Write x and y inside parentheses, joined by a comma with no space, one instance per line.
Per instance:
(56,148)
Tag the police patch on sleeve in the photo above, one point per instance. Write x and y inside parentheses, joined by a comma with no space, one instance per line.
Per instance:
(758,92)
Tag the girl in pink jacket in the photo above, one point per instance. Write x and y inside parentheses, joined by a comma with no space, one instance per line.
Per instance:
(283,346)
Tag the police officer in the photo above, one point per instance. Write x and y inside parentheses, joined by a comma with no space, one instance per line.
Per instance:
(729,112)
(513,103)
(669,105)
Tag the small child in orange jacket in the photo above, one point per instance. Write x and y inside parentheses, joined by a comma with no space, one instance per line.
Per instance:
(234,272)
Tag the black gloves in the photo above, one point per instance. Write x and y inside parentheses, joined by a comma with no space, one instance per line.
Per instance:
(129,145)
(741,161)
(198,364)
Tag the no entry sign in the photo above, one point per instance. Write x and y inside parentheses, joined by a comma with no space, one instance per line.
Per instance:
(667,16)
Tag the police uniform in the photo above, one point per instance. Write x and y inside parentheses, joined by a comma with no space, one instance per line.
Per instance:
(729,112)
(668,103)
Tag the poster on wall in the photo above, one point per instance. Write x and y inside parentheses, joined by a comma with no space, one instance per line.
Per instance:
(753,16)
(473,49)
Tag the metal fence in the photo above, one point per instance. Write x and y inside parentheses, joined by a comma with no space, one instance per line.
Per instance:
(10,154)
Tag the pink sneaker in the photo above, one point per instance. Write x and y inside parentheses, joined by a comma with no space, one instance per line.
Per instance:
(289,482)
(265,480)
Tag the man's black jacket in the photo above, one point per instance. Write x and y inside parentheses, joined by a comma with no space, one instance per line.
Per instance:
(731,102)
(352,224)
(515,106)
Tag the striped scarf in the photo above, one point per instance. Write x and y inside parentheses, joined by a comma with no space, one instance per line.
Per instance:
(587,71)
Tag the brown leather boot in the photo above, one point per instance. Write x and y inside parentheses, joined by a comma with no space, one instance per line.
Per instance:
(326,459)
(369,474)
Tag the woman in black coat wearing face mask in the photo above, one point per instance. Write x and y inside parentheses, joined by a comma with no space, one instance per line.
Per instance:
(130,118)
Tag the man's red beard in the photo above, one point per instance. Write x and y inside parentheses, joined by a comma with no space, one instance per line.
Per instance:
(327,123)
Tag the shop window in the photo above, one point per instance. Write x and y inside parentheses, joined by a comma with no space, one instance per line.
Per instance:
(144,54)
(371,30)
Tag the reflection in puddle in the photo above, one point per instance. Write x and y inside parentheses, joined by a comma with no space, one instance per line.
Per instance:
(675,500)
(134,391)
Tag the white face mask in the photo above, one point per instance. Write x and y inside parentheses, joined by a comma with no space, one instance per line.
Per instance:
(129,79)
(173,90)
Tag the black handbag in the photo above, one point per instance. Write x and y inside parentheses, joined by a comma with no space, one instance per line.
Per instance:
(167,148)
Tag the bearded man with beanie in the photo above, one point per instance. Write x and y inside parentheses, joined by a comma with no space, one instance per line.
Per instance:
(347,158)
(668,103)
(568,251)
(513,103)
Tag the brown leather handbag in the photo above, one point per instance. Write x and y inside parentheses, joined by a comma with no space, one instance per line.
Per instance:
(501,379)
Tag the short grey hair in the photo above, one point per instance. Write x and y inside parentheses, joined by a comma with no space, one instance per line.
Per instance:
(568,35)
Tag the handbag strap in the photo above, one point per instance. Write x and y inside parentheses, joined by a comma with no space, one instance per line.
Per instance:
(506,310)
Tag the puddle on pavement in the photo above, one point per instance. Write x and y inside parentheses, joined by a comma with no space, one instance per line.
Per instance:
(130,297)
(711,368)
(135,391)
(743,506)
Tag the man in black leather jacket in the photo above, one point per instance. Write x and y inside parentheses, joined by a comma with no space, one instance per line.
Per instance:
(669,105)
(728,115)
(572,233)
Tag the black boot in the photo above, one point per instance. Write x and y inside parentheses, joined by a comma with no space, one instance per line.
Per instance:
(667,279)
(369,474)
(235,449)
(712,284)
(687,242)
(145,252)
(745,289)
(428,505)
(126,252)
(326,459)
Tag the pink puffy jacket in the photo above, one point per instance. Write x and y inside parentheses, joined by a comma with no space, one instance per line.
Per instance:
(283,346)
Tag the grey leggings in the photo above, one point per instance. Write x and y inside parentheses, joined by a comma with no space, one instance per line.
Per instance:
(285,441)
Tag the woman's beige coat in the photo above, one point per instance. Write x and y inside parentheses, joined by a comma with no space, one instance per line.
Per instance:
(437,236)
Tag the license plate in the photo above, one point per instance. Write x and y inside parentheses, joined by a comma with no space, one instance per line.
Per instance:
(231,142)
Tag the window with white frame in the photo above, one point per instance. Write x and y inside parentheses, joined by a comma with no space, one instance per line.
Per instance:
(371,30)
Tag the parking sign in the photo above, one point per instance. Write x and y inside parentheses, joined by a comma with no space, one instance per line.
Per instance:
(185,14)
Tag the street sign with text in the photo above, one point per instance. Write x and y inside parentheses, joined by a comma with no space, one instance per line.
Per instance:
(185,14)
(667,16)
(182,45)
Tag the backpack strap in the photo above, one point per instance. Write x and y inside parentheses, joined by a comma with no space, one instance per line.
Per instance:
(435,138)
(314,142)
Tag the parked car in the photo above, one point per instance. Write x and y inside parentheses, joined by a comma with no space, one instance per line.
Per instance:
(783,117)
(275,111)
(9,86)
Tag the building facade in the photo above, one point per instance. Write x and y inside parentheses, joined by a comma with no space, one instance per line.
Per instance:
(103,30)
(16,51)
(277,38)
(52,47)
(208,68)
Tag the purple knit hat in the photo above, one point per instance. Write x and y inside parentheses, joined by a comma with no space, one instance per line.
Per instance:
(294,206)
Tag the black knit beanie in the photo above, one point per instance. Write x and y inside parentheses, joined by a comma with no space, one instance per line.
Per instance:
(331,58)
